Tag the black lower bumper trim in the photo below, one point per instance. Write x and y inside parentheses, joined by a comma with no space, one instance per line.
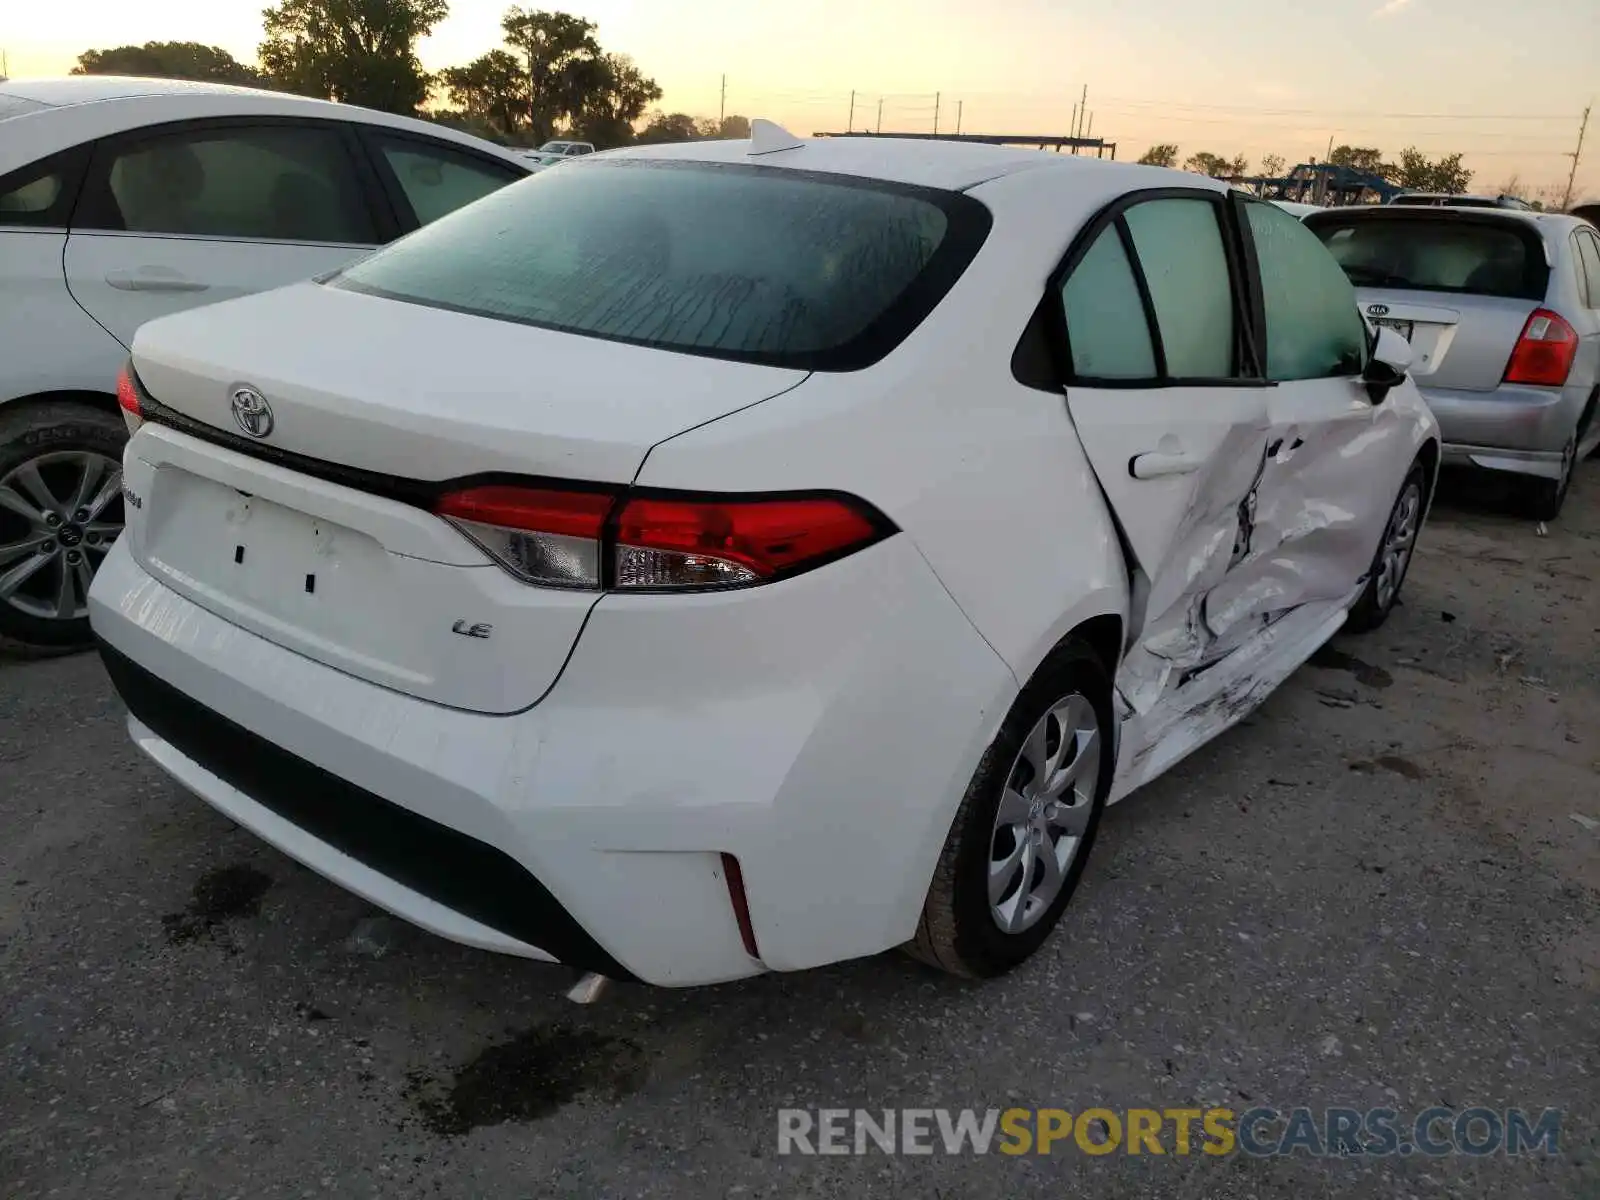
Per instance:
(444,864)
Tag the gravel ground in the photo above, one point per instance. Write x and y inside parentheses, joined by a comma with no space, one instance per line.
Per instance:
(1373,893)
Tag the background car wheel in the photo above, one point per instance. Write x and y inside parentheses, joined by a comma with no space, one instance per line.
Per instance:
(1542,498)
(1023,833)
(60,512)
(1393,560)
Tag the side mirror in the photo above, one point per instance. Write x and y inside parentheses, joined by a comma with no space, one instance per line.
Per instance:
(1388,364)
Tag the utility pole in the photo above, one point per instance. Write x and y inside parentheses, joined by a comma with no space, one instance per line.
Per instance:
(936,114)
(1566,200)
(880,114)
(1072,129)
(1089,129)
(722,106)
(960,104)
(851,123)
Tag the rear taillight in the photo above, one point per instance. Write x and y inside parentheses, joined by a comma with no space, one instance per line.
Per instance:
(597,539)
(1543,354)
(673,543)
(550,536)
(128,399)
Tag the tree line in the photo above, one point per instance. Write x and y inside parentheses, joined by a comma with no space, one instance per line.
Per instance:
(550,77)
(1412,170)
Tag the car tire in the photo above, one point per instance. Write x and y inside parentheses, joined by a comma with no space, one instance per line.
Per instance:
(1387,574)
(961,930)
(1542,499)
(57,446)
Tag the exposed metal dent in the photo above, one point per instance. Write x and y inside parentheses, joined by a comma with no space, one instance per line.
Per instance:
(1211,702)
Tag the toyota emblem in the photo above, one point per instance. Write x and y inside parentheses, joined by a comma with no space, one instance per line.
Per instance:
(251,412)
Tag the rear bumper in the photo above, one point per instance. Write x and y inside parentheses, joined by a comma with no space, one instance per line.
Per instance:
(822,733)
(1544,463)
(1520,429)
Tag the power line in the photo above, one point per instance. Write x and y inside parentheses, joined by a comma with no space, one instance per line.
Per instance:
(1335,112)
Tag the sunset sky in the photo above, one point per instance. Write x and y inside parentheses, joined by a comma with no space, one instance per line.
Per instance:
(1506,84)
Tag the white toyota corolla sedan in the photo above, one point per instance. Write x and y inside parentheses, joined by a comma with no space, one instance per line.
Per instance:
(874,514)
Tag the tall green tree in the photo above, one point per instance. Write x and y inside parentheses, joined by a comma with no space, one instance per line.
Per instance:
(1360,158)
(356,51)
(1163,155)
(559,51)
(1417,172)
(615,94)
(670,127)
(493,89)
(1206,163)
(168,60)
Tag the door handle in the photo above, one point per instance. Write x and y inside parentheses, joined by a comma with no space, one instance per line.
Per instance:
(152,280)
(1156,465)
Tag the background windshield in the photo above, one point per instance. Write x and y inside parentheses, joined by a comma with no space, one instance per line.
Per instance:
(1477,258)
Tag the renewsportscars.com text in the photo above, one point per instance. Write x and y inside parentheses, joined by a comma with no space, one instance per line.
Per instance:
(1258,1132)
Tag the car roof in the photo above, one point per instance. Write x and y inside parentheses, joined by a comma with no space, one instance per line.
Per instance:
(953,166)
(87,89)
(1551,228)
(84,108)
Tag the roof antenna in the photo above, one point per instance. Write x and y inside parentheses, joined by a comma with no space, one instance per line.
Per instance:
(768,137)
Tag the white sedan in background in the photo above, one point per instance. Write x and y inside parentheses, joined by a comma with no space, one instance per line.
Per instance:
(122,200)
(879,511)
(551,153)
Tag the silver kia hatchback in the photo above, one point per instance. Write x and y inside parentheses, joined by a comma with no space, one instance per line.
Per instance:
(1502,309)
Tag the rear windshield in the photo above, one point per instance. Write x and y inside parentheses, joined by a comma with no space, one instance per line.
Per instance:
(759,264)
(1473,257)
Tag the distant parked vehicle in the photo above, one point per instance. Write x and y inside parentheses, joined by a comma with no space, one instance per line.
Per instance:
(551,153)
(1502,309)
(122,200)
(1449,200)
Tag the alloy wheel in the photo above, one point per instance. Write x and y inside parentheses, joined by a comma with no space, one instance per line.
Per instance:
(60,513)
(1044,813)
(1399,540)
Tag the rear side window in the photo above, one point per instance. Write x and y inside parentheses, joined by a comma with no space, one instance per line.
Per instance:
(1179,245)
(1106,328)
(759,264)
(42,193)
(1589,266)
(1473,256)
(292,183)
(1313,328)
(437,180)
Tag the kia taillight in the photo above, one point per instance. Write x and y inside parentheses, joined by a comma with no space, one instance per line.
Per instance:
(1543,354)
(128,399)
(663,542)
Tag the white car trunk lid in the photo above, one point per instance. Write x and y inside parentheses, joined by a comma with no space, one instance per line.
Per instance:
(359,575)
